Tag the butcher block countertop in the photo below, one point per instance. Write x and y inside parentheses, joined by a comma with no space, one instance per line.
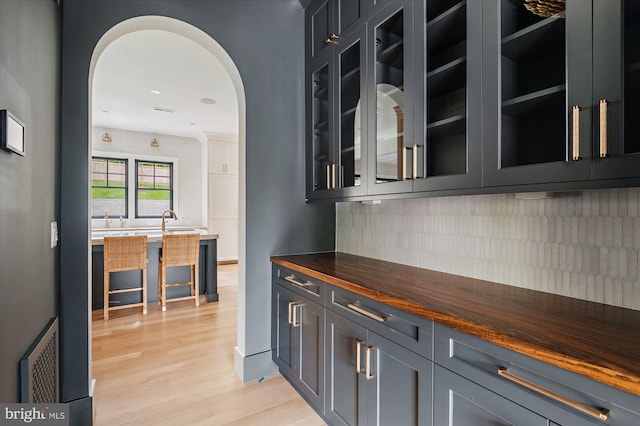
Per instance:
(598,341)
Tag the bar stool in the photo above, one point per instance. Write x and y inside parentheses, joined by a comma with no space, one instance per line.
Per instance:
(179,250)
(125,254)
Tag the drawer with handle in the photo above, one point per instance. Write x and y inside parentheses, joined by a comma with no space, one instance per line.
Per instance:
(300,283)
(562,396)
(408,330)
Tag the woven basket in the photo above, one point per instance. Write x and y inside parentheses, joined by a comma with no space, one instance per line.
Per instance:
(545,8)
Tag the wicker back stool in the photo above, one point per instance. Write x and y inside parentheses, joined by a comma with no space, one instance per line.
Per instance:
(179,250)
(127,253)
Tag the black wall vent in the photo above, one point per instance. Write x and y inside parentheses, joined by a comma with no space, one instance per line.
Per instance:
(39,368)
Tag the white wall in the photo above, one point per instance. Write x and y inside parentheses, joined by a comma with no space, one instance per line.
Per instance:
(580,244)
(189,177)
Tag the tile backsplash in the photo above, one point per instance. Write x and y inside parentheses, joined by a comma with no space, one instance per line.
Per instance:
(578,244)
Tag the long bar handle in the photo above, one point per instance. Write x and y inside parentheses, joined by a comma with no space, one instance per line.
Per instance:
(328,176)
(599,413)
(358,360)
(292,279)
(366,313)
(403,165)
(415,161)
(603,128)
(367,373)
(575,152)
(289,320)
(333,176)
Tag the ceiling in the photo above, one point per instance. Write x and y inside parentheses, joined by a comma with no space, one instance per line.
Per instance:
(137,65)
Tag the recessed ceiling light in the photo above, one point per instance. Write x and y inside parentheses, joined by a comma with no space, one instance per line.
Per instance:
(155,91)
(161,109)
(105,111)
(208,101)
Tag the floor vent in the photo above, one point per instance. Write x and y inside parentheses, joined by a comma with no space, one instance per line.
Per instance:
(39,368)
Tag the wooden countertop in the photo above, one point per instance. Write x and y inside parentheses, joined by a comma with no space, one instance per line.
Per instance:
(598,341)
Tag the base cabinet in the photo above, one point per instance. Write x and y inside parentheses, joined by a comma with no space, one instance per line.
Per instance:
(298,339)
(360,362)
(461,402)
(372,380)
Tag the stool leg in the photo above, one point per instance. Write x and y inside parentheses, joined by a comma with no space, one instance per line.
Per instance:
(144,290)
(105,309)
(164,288)
(196,283)
(159,280)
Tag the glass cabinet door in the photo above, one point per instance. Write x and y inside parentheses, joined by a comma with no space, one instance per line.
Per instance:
(350,117)
(448,156)
(616,88)
(540,67)
(321,138)
(391,109)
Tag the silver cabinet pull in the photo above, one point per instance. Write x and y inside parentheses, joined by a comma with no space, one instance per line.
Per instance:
(366,313)
(292,279)
(403,163)
(333,176)
(599,413)
(367,373)
(295,322)
(358,360)
(603,128)
(341,176)
(575,151)
(328,176)
(289,320)
(415,161)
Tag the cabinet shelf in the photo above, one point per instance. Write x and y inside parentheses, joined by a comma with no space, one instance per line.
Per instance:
(448,27)
(321,93)
(448,126)
(525,103)
(633,68)
(350,73)
(390,53)
(348,112)
(546,34)
(322,125)
(447,77)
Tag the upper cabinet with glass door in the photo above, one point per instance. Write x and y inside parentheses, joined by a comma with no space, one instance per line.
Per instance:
(616,88)
(390,90)
(446,154)
(537,93)
(335,96)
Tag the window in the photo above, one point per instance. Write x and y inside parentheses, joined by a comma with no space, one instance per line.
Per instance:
(108,187)
(154,188)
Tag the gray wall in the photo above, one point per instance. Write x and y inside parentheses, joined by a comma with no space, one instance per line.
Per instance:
(29,88)
(265,40)
(581,244)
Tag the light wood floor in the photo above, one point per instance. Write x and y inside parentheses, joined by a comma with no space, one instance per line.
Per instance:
(176,368)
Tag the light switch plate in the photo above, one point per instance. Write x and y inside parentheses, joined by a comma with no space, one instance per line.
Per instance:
(54,234)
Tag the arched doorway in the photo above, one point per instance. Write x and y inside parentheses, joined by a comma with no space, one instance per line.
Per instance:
(180,28)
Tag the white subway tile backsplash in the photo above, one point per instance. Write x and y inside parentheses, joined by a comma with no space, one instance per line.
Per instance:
(578,244)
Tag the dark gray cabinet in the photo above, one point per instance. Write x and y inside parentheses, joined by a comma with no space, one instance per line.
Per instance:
(448,125)
(459,96)
(461,402)
(372,380)
(560,93)
(491,382)
(298,341)
(358,361)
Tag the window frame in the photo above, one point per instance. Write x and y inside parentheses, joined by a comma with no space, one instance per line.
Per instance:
(125,187)
(137,188)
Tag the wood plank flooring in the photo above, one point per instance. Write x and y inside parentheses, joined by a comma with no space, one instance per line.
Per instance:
(176,368)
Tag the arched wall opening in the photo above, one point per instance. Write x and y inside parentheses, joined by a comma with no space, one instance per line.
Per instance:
(198,36)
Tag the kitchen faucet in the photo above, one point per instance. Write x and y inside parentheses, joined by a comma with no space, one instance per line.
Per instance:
(107,221)
(175,217)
